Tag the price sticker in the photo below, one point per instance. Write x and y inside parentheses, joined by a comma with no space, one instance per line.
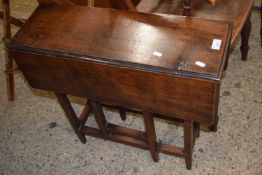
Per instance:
(216,44)
(157,54)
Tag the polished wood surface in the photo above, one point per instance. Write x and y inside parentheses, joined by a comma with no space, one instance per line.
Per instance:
(120,45)
(130,37)
(234,11)
(159,65)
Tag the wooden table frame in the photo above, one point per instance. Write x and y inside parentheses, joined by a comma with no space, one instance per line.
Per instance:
(190,95)
(8,20)
(145,140)
(9,67)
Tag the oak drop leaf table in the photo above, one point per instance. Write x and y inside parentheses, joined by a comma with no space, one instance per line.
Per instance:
(160,65)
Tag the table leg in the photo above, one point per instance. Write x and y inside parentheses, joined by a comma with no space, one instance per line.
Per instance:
(99,116)
(261,23)
(188,143)
(151,135)
(71,115)
(245,34)
(8,59)
(213,127)
(122,113)
(197,127)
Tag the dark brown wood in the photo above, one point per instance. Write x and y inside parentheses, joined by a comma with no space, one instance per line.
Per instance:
(130,60)
(118,4)
(213,126)
(119,130)
(245,38)
(172,150)
(164,148)
(195,99)
(84,115)
(197,129)
(184,105)
(133,140)
(151,135)
(8,59)
(116,138)
(71,116)
(188,143)
(14,21)
(234,11)
(122,113)
(131,137)
(99,116)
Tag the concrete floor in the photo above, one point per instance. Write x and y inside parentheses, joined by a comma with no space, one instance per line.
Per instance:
(35,137)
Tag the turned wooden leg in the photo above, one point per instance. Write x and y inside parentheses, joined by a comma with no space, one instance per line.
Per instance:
(151,135)
(71,115)
(245,34)
(188,143)
(99,116)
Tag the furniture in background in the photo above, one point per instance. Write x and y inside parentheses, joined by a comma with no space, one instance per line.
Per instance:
(126,67)
(237,12)
(9,20)
(9,69)
(257,8)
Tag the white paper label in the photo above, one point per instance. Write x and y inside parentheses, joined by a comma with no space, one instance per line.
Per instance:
(158,54)
(200,64)
(216,44)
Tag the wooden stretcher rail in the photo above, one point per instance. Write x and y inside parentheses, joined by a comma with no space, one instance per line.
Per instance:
(13,20)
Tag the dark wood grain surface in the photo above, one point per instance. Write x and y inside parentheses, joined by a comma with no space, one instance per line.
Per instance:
(128,37)
(234,11)
(106,56)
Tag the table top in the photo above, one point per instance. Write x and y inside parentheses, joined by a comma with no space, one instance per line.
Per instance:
(234,11)
(165,43)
